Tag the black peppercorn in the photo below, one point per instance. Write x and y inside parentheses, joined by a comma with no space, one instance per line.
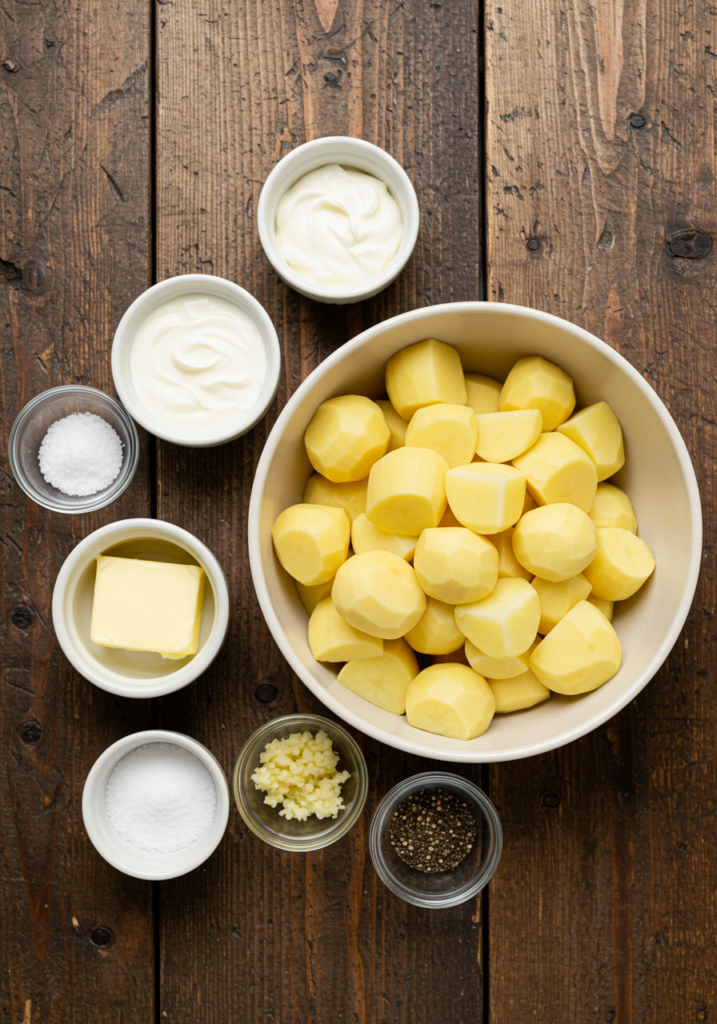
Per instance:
(432,830)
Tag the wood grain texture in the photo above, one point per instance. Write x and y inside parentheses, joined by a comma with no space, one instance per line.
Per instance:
(259,934)
(600,146)
(74,198)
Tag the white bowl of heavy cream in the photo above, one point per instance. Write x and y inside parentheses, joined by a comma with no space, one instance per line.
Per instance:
(196,360)
(338,219)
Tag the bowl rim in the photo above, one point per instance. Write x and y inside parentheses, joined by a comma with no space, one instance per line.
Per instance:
(133,687)
(342,825)
(90,503)
(244,300)
(326,697)
(112,755)
(309,156)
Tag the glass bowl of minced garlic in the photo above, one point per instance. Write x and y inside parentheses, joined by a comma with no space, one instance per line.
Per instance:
(300,782)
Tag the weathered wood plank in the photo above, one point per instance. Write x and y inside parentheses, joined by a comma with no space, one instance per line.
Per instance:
(74,197)
(261,934)
(600,146)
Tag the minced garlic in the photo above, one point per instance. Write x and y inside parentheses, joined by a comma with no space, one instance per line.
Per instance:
(299,772)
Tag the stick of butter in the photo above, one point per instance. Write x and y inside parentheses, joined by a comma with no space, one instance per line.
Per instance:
(147,606)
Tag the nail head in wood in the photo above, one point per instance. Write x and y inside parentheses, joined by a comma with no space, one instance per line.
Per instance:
(637,121)
(266,693)
(31,733)
(533,244)
(36,277)
(101,937)
(22,616)
(690,244)
(550,799)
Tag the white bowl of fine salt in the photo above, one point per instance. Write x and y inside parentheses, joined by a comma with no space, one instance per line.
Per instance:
(156,804)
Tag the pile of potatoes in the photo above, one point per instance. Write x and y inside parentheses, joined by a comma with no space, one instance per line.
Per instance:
(468,520)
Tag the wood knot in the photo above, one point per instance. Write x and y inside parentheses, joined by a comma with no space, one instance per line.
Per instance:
(533,244)
(690,244)
(637,121)
(101,937)
(265,693)
(550,799)
(36,277)
(31,733)
(22,616)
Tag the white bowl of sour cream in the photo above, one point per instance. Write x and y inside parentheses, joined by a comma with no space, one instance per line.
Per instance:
(196,360)
(338,219)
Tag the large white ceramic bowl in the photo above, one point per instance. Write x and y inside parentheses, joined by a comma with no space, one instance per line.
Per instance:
(658,476)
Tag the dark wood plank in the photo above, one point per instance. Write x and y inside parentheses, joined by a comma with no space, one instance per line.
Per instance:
(74,196)
(601,145)
(261,934)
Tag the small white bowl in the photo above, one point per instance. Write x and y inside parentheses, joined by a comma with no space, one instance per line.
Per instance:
(145,304)
(120,853)
(136,673)
(364,156)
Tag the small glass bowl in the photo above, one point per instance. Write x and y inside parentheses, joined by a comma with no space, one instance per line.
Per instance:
(445,888)
(30,428)
(312,834)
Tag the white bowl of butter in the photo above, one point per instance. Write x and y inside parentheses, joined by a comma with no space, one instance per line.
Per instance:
(180,603)
(338,219)
(196,360)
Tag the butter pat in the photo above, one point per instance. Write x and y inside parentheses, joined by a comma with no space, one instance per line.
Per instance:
(147,606)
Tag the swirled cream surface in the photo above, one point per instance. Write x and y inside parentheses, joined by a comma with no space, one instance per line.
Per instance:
(338,227)
(198,362)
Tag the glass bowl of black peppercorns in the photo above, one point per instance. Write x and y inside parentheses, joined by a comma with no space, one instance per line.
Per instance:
(436,840)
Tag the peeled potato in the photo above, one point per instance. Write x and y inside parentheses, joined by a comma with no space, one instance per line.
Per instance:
(345,437)
(508,564)
(395,423)
(503,436)
(378,593)
(436,631)
(503,624)
(424,374)
(455,565)
(499,668)
(606,607)
(384,680)
(517,694)
(450,430)
(451,700)
(351,496)
(367,537)
(580,654)
(311,542)
(483,393)
(555,542)
(596,430)
(557,470)
(486,498)
(611,507)
(310,596)
(332,639)
(535,383)
(622,564)
(406,491)
(556,599)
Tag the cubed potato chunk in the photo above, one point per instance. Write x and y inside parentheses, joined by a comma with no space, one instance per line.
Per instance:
(499,668)
(483,393)
(450,430)
(455,565)
(535,383)
(383,681)
(606,607)
(310,596)
(311,542)
(436,631)
(351,496)
(555,542)
(503,436)
(611,507)
(556,599)
(596,430)
(395,423)
(367,537)
(517,694)
(580,654)
(332,639)
(406,491)
(378,593)
(424,374)
(557,470)
(508,564)
(503,624)
(450,700)
(345,437)
(621,565)
(485,497)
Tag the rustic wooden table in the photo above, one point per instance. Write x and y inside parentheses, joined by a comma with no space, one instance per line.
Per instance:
(564,158)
